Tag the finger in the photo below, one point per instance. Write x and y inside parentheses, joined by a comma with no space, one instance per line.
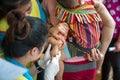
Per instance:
(59,42)
(96,58)
(54,32)
(100,55)
(56,35)
(89,57)
(63,32)
(65,25)
(96,55)
(93,54)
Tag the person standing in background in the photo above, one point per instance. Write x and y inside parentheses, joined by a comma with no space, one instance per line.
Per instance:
(112,58)
(84,18)
(25,41)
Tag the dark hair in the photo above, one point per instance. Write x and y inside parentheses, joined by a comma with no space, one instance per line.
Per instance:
(23,34)
(8,5)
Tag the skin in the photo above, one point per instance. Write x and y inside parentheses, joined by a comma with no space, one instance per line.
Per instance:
(108,27)
(26,9)
(30,56)
(49,7)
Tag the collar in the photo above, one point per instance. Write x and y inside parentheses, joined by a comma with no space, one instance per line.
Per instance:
(27,74)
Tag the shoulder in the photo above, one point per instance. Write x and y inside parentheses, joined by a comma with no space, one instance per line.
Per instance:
(98,4)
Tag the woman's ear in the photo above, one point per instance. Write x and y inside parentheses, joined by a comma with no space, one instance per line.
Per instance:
(34,54)
(34,51)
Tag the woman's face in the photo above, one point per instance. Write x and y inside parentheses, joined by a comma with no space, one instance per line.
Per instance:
(26,9)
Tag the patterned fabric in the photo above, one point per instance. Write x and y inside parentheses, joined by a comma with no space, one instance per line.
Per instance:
(82,70)
(78,67)
(84,23)
(113,7)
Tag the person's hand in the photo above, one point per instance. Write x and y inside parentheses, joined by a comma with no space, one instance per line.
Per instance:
(59,34)
(61,28)
(42,62)
(117,46)
(95,55)
(52,67)
(54,42)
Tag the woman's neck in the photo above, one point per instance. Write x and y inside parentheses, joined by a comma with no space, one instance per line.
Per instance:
(22,60)
(70,3)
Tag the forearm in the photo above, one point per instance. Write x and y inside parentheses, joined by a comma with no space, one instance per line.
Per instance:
(63,55)
(106,37)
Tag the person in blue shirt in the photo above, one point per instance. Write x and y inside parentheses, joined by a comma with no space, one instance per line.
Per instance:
(25,41)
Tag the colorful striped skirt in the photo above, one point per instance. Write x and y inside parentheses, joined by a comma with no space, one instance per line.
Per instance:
(77,67)
(79,70)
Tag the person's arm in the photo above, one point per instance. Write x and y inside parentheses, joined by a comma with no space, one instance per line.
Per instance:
(108,25)
(107,30)
(117,44)
(51,8)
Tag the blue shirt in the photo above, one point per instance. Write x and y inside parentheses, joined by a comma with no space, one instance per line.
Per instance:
(27,74)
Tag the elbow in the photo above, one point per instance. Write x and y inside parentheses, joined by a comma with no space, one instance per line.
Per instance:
(113,23)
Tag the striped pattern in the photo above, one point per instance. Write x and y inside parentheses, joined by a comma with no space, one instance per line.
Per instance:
(83,70)
(81,66)
(83,22)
